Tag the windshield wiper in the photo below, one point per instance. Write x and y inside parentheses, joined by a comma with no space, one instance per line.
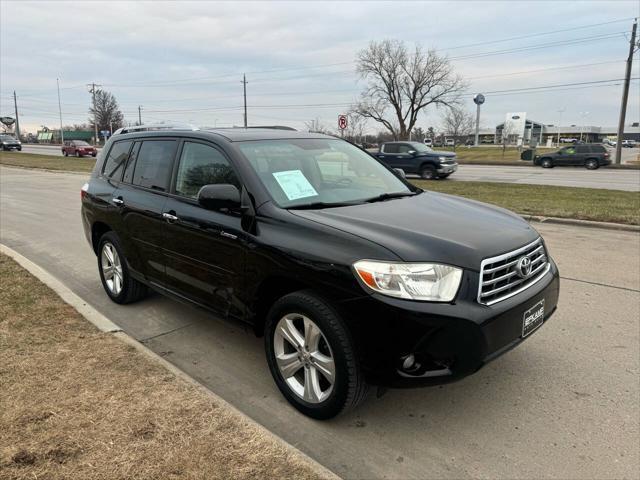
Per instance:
(389,196)
(314,205)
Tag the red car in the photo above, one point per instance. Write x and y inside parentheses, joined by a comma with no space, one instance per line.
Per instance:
(79,148)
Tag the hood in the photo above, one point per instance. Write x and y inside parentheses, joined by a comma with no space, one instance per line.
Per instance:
(431,227)
(442,153)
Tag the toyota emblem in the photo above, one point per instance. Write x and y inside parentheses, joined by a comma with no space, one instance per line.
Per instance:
(523,267)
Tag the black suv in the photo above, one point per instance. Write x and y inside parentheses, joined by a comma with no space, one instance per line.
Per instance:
(417,158)
(354,276)
(580,155)
(10,143)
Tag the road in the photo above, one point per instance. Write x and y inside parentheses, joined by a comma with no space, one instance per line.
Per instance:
(569,177)
(562,405)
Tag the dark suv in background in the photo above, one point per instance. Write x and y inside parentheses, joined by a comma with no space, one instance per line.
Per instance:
(417,158)
(354,276)
(581,155)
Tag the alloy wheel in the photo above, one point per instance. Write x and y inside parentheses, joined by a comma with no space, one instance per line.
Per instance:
(111,268)
(304,358)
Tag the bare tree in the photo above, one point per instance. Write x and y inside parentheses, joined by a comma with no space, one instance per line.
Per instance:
(507,132)
(404,82)
(316,126)
(107,112)
(457,123)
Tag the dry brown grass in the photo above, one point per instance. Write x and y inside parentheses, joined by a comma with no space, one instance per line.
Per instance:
(80,404)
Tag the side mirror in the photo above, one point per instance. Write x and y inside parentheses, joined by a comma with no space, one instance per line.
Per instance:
(411,152)
(401,172)
(216,197)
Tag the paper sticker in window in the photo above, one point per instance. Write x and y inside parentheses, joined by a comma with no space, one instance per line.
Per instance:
(294,184)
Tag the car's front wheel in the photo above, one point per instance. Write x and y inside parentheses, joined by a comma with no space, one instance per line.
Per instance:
(114,272)
(312,357)
(428,172)
(591,164)
(78,154)
(546,163)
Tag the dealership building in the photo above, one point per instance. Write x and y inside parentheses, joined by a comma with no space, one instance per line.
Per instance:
(518,129)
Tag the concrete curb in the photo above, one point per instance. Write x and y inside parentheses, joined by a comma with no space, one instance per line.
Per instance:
(48,170)
(581,223)
(105,325)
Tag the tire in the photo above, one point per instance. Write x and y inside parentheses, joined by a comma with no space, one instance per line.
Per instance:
(546,163)
(94,155)
(123,287)
(591,164)
(65,153)
(428,172)
(291,317)
(78,154)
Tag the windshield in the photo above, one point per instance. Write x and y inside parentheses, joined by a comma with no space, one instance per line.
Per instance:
(6,138)
(299,172)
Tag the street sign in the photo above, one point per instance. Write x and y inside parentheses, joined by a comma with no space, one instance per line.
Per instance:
(342,122)
(105,133)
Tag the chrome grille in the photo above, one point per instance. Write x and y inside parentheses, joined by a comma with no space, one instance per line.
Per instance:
(501,278)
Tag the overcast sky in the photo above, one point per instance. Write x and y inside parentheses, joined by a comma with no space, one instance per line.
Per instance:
(184,61)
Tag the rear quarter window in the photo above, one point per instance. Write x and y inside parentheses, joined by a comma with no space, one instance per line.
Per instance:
(116,160)
(598,149)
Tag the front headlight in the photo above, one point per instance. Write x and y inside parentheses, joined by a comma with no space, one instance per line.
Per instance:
(432,282)
(442,159)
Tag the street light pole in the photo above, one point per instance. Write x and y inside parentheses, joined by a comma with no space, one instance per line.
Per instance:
(582,116)
(139,114)
(60,112)
(15,106)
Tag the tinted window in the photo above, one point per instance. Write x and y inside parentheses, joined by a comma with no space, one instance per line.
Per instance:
(154,163)
(202,165)
(597,149)
(116,160)
(391,148)
(128,171)
(582,149)
(404,148)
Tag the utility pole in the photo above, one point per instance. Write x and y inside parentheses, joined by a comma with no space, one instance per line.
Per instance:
(92,89)
(15,105)
(559,122)
(139,114)
(60,112)
(244,85)
(625,93)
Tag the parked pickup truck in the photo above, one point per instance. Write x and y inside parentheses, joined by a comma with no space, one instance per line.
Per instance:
(414,157)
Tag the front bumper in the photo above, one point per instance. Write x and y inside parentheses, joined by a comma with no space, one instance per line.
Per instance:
(447,341)
(448,168)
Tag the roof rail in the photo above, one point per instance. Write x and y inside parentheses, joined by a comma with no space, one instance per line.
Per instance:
(238,127)
(156,126)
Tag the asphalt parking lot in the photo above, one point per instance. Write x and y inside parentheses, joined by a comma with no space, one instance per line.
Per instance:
(562,405)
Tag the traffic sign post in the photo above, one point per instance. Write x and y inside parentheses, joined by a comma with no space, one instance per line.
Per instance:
(342,124)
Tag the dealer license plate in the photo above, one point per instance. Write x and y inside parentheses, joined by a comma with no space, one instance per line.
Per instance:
(533,318)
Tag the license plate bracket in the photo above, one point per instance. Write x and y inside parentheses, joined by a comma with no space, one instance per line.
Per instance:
(533,318)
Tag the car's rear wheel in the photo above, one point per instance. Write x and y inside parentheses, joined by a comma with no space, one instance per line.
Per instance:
(546,163)
(312,357)
(428,172)
(114,272)
(591,164)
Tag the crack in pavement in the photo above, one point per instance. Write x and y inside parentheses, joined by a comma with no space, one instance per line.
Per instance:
(144,340)
(601,284)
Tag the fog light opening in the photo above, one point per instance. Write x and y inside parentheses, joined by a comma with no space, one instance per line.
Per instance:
(409,363)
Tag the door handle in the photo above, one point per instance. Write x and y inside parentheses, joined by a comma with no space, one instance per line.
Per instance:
(169,217)
(118,201)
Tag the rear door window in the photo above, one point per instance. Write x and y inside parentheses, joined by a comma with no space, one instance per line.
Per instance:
(597,149)
(154,163)
(116,160)
(582,149)
(391,148)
